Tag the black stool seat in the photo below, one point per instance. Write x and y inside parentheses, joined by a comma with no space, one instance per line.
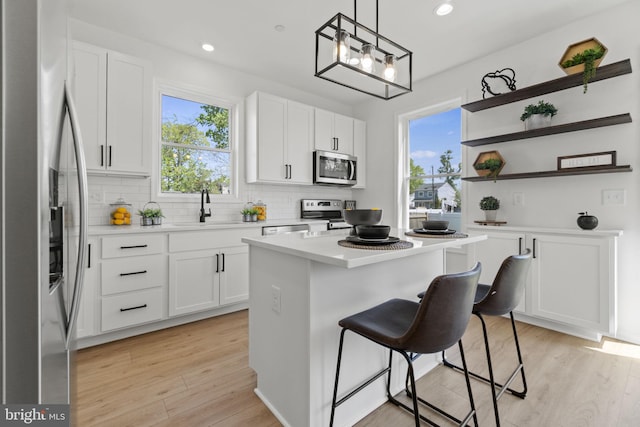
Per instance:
(430,326)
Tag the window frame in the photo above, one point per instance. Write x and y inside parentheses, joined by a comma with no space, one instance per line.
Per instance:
(202,96)
(403,157)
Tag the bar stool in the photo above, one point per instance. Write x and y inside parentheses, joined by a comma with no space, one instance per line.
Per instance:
(430,326)
(504,294)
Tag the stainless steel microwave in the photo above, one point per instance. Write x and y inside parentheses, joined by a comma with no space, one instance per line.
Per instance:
(334,168)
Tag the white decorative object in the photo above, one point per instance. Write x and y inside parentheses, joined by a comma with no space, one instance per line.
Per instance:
(537,121)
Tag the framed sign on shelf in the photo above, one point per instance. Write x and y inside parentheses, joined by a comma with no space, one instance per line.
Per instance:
(590,160)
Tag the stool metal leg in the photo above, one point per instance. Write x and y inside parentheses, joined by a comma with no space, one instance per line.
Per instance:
(491,380)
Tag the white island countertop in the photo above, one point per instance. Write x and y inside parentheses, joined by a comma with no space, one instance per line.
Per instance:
(322,246)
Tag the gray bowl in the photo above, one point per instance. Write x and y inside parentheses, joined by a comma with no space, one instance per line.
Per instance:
(362,216)
(435,225)
(372,231)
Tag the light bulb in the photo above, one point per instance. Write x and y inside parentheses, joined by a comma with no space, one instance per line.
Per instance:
(207,47)
(443,9)
(341,46)
(368,58)
(390,71)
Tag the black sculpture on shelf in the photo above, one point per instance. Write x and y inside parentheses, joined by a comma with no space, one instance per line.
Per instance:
(507,75)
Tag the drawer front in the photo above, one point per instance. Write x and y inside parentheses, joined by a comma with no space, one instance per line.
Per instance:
(135,273)
(132,308)
(210,239)
(137,244)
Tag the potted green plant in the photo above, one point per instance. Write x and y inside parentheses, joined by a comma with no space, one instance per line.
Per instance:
(588,57)
(249,214)
(538,115)
(489,205)
(493,166)
(150,216)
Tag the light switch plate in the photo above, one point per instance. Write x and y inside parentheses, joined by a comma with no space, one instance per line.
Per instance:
(518,199)
(614,197)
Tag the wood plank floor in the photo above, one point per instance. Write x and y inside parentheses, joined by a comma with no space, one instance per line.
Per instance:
(197,375)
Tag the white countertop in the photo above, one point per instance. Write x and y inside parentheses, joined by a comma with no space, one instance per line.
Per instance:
(191,226)
(323,247)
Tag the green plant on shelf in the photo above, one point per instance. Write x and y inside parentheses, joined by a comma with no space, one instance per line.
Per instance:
(489,203)
(542,107)
(490,164)
(587,57)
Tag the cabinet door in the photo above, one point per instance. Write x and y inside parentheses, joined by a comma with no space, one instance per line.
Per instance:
(193,281)
(572,281)
(86,320)
(128,114)
(299,153)
(89,86)
(343,132)
(360,151)
(271,138)
(323,133)
(494,250)
(234,275)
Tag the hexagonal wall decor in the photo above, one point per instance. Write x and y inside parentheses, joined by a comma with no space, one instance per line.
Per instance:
(483,157)
(579,47)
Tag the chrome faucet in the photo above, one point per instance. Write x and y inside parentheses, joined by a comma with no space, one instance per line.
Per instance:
(203,215)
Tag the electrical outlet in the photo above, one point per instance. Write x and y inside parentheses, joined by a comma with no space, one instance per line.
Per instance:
(614,197)
(518,199)
(276,300)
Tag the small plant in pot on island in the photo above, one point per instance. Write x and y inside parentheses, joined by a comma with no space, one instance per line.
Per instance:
(490,205)
(538,115)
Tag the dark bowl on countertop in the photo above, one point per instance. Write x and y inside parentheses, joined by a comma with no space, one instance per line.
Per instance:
(362,216)
(435,225)
(372,231)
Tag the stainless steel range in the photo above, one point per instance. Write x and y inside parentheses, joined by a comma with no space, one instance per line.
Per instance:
(329,209)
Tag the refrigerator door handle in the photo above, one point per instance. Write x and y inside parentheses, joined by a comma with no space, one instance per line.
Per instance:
(82,193)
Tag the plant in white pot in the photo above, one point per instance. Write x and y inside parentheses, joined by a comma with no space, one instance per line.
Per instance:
(489,205)
(538,115)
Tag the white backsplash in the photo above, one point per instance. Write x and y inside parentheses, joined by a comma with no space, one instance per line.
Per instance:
(283,201)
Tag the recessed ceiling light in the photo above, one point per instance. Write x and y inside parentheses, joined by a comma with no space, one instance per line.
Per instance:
(279,28)
(208,47)
(443,9)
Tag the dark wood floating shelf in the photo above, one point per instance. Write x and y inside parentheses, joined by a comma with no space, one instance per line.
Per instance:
(545,174)
(551,130)
(573,80)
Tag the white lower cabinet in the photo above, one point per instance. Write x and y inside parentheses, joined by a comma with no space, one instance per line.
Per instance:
(572,280)
(131,308)
(86,320)
(207,270)
(206,279)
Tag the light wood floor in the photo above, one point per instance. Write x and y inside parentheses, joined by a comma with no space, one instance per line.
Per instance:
(197,375)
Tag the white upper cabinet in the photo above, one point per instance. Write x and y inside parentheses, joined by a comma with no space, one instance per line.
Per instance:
(279,140)
(113,94)
(360,151)
(333,132)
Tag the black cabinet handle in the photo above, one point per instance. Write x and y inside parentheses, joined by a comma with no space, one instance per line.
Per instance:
(223,262)
(89,256)
(133,273)
(133,246)
(133,308)
(217,263)
(519,245)
(110,156)
(534,248)
(102,155)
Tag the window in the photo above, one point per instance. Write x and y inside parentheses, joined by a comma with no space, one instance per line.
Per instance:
(433,165)
(196,144)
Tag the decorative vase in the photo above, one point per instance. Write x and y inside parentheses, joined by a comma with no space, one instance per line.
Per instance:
(156,221)
(254,217)
(537,121)
(586,221)
(146,221)
(246,218)
(490,215)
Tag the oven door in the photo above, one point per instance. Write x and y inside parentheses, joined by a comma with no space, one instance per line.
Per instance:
(334,168)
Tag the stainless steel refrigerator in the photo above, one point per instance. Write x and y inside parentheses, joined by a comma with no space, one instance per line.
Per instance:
(43,205)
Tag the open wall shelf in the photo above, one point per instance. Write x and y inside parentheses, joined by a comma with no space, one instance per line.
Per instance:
(546,174)
(551,130)
(573,80)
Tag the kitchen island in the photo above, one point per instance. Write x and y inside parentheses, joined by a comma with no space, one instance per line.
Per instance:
(300,286)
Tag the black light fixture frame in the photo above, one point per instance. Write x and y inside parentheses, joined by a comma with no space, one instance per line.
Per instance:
(387,89)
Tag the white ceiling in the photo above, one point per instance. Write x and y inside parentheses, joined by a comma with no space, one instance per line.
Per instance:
(244,37)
